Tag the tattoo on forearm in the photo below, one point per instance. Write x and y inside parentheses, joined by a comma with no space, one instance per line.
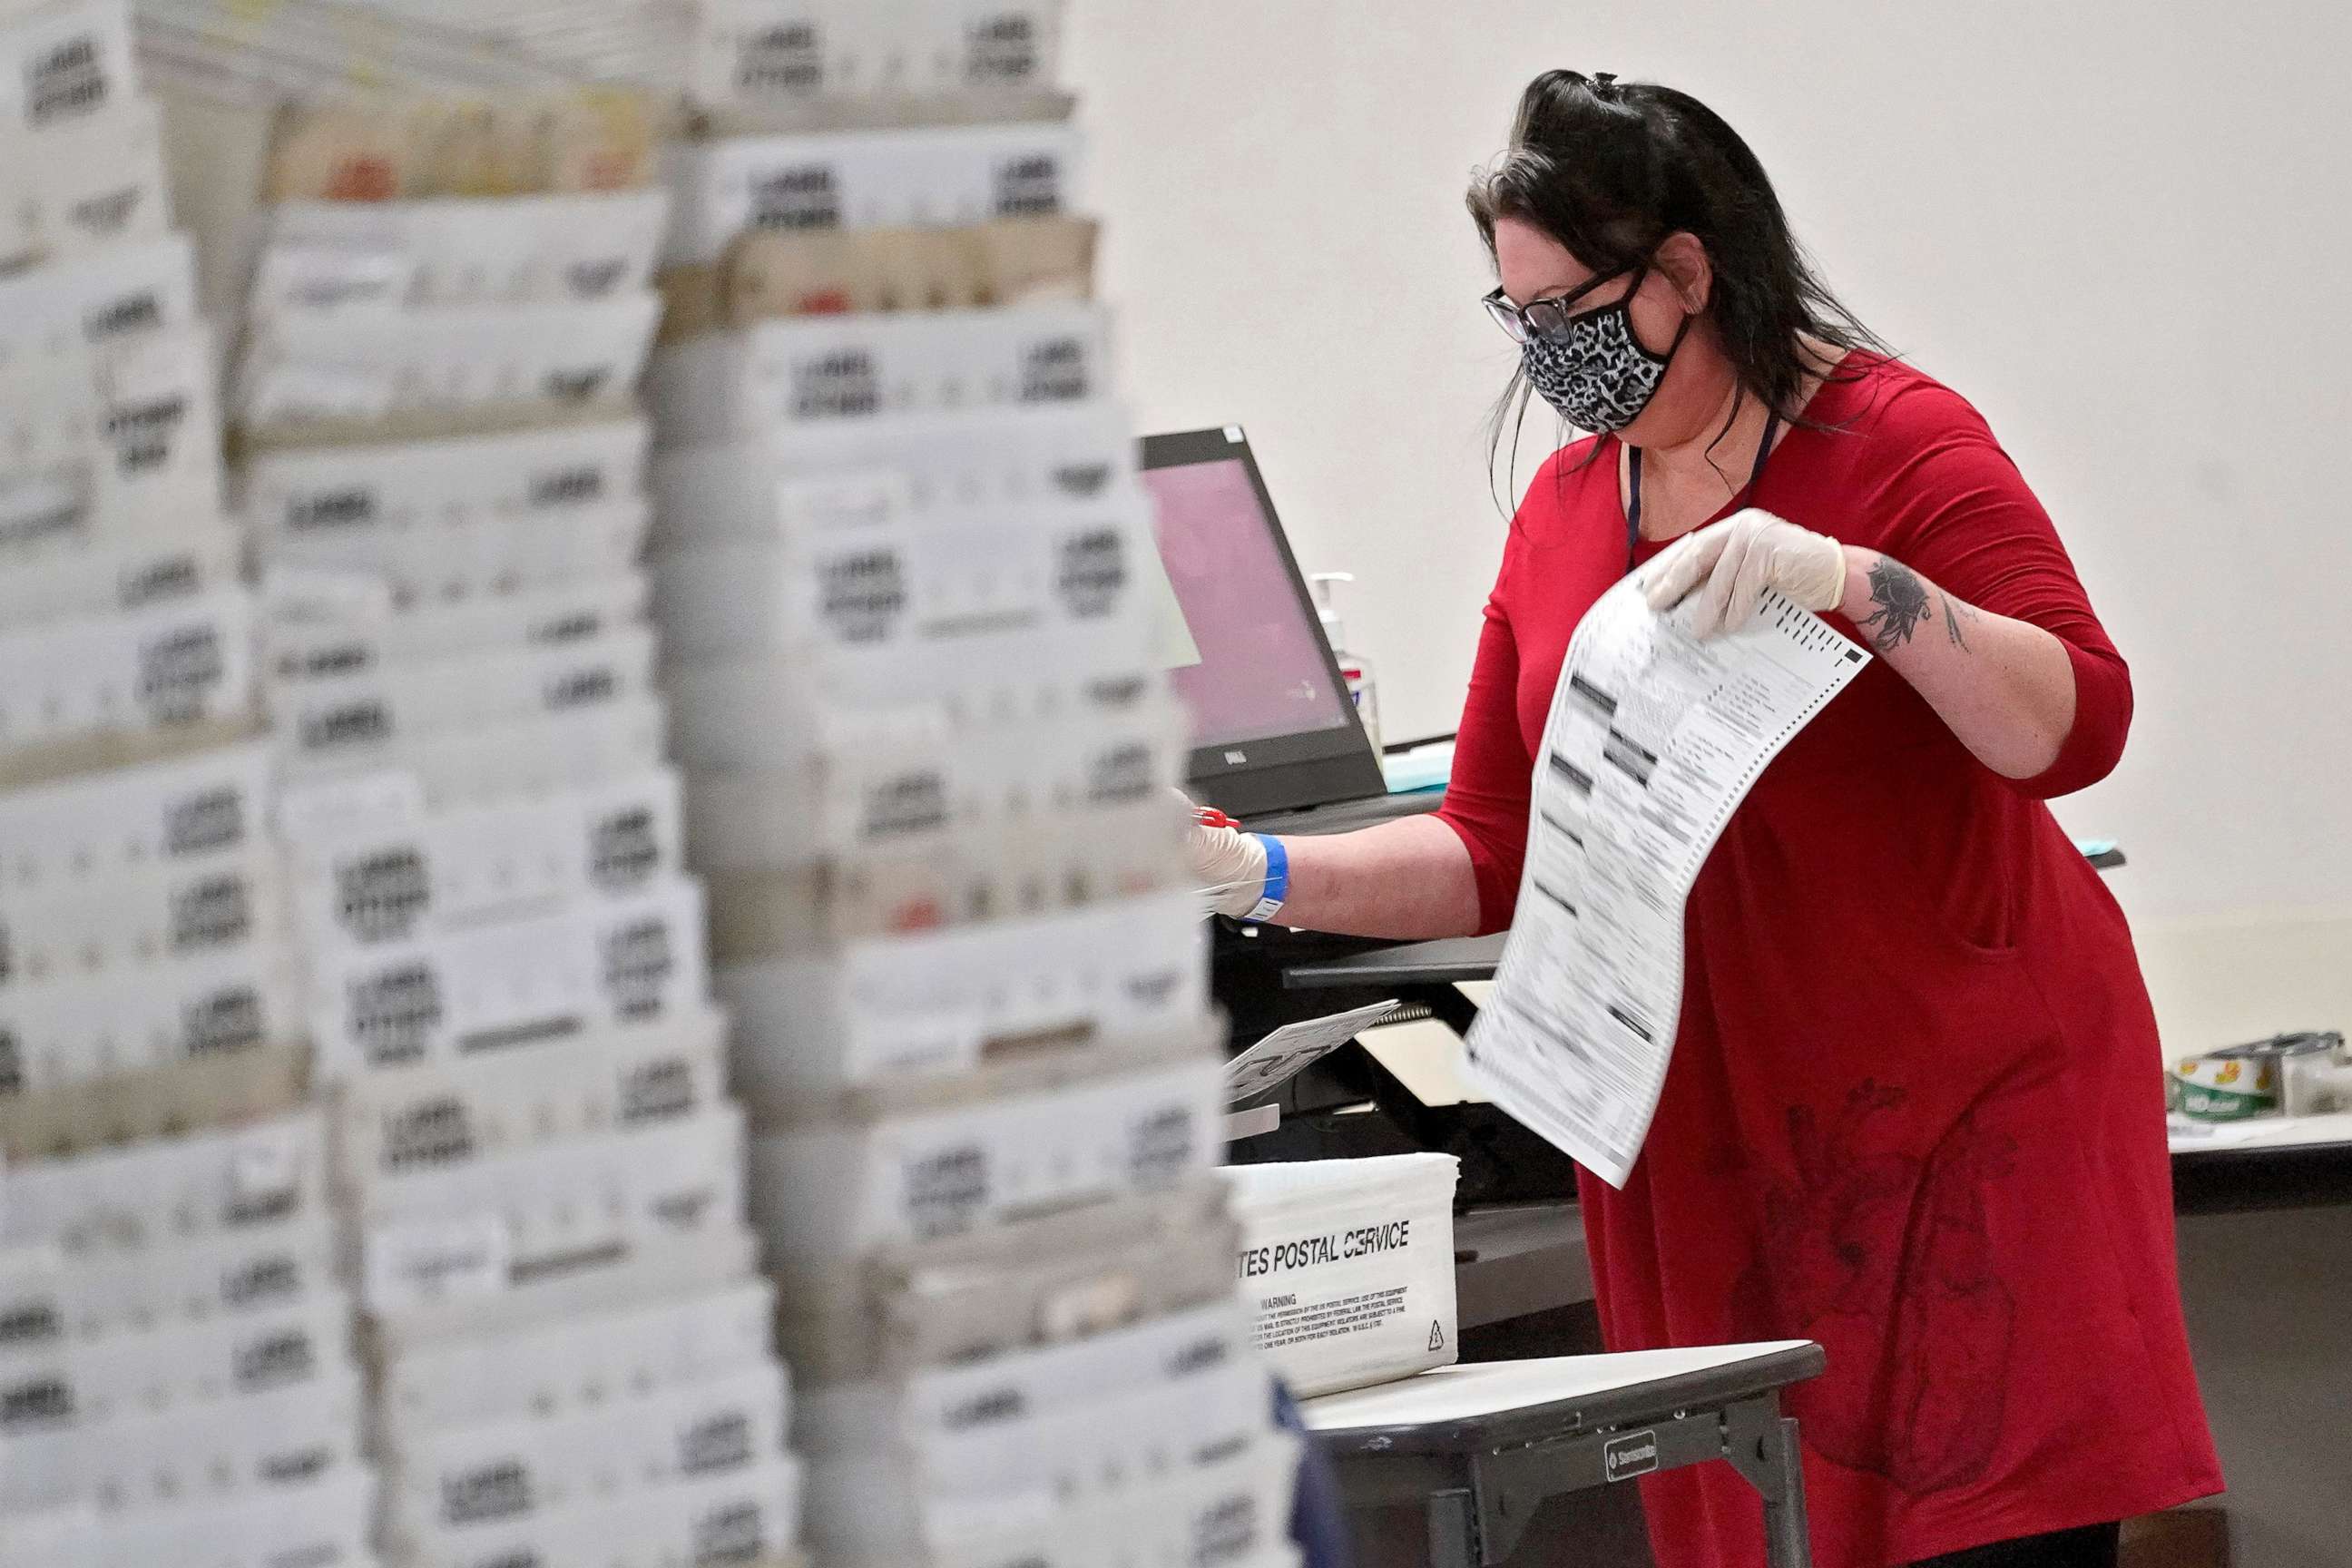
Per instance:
(1902,604)
(1955,612)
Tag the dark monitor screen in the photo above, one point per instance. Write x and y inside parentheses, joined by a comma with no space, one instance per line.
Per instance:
(1273,727)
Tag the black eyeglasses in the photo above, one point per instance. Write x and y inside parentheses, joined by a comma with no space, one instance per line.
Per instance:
(1544,317)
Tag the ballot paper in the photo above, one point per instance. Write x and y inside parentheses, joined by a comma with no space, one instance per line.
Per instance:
(1290,1049)
(2182,1134)
(1653,740)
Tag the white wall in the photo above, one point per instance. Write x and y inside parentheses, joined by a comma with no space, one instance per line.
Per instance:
(2119,227)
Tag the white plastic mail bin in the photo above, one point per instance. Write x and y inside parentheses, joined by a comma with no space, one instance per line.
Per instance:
(1348,1266)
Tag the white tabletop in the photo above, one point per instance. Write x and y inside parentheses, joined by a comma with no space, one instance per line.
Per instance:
(2261,1133)
(1495,1388)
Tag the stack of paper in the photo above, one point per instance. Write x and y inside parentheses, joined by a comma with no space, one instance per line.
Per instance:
(124,626)
(176,1378)
(904,578)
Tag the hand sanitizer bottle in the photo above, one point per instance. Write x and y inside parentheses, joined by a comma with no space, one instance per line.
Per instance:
(1356,670)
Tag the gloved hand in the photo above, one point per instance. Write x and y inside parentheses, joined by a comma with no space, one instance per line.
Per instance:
(1728,565)
(1229,862)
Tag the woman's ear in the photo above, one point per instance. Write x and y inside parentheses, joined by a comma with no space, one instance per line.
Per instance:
(1684,263)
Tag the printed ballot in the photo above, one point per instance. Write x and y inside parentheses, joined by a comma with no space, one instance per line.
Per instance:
(1654,739)
(1292,1049)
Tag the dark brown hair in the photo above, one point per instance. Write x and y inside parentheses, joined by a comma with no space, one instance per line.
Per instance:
(1610,169)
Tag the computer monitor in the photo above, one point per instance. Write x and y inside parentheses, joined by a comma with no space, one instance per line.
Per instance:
(1273,727)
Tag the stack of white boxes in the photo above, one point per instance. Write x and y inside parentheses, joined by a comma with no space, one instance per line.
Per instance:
(177,1377)
(507,987)
(910,600)
(637,41)
(822,62)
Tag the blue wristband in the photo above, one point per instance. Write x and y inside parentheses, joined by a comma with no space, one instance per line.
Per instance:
(1278,879)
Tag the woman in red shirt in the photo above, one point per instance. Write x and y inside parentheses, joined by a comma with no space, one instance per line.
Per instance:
(1914,1110)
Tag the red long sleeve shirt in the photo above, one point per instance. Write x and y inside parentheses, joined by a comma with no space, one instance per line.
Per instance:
(1915,1109)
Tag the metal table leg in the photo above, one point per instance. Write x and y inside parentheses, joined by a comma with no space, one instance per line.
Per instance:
(1478,1501)
(1761,1445)
(1452,1531)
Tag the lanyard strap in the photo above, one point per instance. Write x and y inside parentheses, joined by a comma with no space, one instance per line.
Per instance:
(1633,485)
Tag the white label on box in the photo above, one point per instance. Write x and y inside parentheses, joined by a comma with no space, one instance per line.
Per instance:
(818,369)
(44,506)
(163,426)
(461,250)
(86,182)
(742,1517)
(164,1189)
(535,756)
(368,632)
(70,579)
(477,557)
(303,596)
(91,1025)
(408,1262)
(915,1041)
(763,52)
(60,64)
(373,711)
(118,921)
(932,1000)
(950,1172)
(43,1539)
(545,1462)
(323,277)
(1013,455)
(398,876)
(255,1268)
(163,663)
(582,1362)
(309,491)
(33,1302)
(266,1169)
(1154,1354)
(321,1523)
(109,295)
(628,960)
(451,360)
(121,1374)
(294,392)
(383,800)
(927,176)
(605,1080)
(870,499)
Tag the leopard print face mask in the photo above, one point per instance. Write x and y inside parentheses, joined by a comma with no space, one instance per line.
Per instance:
(1597,373)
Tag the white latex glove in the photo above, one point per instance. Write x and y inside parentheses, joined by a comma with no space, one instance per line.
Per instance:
(1728,565)
(1229,862)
